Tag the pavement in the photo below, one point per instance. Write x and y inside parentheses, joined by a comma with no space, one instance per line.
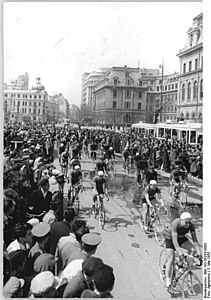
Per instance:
(132,254)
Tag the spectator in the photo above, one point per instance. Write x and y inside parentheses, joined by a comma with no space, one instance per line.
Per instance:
(44,285)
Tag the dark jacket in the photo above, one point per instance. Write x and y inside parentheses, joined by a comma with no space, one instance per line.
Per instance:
(38,202)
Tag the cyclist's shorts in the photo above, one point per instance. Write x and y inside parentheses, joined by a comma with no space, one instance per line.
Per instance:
(144,200)
(170,245)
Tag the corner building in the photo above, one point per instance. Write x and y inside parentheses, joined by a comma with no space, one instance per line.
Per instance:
(190,94)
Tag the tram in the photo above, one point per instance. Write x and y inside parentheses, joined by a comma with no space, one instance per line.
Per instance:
(192,133)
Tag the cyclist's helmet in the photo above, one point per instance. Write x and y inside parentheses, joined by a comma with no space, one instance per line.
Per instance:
(185,216)
(77,167)
(153,182)
(110,148)
(137,153)
(100,173)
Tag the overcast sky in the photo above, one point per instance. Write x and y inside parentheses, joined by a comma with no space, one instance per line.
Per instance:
(61,41)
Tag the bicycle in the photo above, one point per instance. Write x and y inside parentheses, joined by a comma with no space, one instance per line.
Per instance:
(155,223)
(126,166)
(74,200)
(110,167)
(99,209)
(64,168)
(183,279)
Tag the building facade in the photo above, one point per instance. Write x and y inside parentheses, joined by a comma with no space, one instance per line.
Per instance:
(190,94)
(21,83)
(64,106)
(28,105)
(120,96)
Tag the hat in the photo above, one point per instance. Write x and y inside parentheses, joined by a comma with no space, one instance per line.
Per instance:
(59,175)
(33,222)
(77,167)
(185,215)
(92,239)
(12,286)
(44,262)
(90,264)
(42,283)
(41,229)
(153,182)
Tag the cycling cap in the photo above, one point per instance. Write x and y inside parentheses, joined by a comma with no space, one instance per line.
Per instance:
(153,182)
(110,148)
(185,215)
(77,167)
(100,173)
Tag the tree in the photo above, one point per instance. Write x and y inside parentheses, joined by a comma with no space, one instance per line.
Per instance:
(158,111)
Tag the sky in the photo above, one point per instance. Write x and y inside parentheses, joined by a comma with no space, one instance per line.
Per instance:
(59,41)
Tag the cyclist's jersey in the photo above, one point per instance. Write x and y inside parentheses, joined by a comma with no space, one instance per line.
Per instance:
(109,154)
(151,192)
(75,162)
(99,181)
(126,154)
(61,149)
(101,166)
(176,175)
(141,164)
(64,157)
(75,152)
(75,176)
(178,229)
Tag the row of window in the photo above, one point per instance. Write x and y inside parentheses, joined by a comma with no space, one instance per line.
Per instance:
(126,105)
(194,90)
(34,111)
(168,87)
(129,81)
(192,65)
(26,103)
(128,94)
(25,96)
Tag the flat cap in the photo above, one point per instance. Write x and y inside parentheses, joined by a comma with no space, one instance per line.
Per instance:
(33,221)
(12,286)
(92,239)
(44,262)
(42,283)
(41,229)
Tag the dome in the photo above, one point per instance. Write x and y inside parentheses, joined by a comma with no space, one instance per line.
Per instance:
(38,86)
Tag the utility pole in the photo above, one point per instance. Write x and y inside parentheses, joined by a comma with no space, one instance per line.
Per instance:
(157,112)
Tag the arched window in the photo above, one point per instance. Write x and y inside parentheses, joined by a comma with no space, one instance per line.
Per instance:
(187,115)
(195,89)
(183,92)
(127,118)
(201,88)
(115,81)
(193,115)
(189,91)
(182,115)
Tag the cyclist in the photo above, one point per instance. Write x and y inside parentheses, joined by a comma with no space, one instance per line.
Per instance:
(93,149)
(150,174)
(176,240)
(61,150)
(100,186)
(75,162)
(177,177)
(148,197)
(141,166)
(64,160)
(76,180)
(101,165)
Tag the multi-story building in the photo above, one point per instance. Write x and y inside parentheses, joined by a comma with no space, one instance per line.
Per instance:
(166,97)
(190,95)
(52,110)
(29,105)
(21,83)
(74,113)
(120,96)
(64,106)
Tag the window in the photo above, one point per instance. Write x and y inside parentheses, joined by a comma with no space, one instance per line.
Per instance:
(38,111)
(169,87)
(40,97)
(189,91)
(43,111)
(139,105)
(127,118)
(139,94)
(115,81)
(44,104)
(196,63)
(184,68)
(25,110)
(140,82)
(30,96)
(29,110)
(190,66)
(183,92)
(35,104)
(127,94)
(18,96)
(114,104)
(176,85)
(202,62)
(34,111)
(127,105)
(22,110)
(172,86)
(18,103)
(23,103)
(157,88)
(114,94)
(201,88)
(5,95)
(128,82)
(39,103)
(35,97)
(166,87)
(195,89)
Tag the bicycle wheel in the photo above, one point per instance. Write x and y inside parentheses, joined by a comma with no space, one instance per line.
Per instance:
(191,286)
(183,199)
(76,205)
(158,228)
(162,265)
(102,216)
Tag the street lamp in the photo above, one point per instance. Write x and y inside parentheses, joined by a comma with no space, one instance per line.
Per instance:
(157,112)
